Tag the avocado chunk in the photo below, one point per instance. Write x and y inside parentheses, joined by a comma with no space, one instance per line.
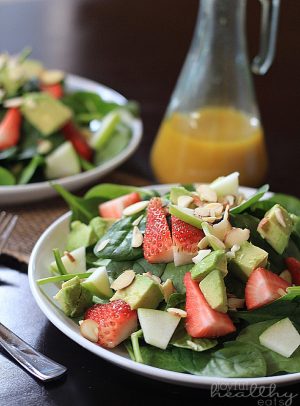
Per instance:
(45,113)
(143,292)
(247,258)
(276,228)
(216,260)
(178,191)
(214,291)
(74,298)
(101,225)
(80,235)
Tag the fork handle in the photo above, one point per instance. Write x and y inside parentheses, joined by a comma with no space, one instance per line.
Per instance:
(33,361)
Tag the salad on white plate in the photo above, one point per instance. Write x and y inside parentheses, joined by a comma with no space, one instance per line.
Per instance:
(198,280)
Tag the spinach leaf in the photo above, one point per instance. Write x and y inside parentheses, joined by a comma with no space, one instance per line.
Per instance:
(234,285)
(8,153)
(253,199)
(160,358)
(275,362)
(6,177)
(82,209)
(181,339)
(142,266)
(176,300)
(235,360)
(176,274)
(290,203)
(115,268)
(119,238)
(108,191)
(29,170)
(287,306)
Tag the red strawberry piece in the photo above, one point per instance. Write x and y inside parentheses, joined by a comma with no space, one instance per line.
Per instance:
(78,141)
(294,267)
(56,90)
(202,321)
(185,241)
(263,287)
(10,129)
(157,239)
(116,321)
(114,208)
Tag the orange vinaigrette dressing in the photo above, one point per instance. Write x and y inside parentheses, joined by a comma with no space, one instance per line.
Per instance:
(211,142)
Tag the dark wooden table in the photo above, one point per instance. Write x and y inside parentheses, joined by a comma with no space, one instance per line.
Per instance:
(136,47)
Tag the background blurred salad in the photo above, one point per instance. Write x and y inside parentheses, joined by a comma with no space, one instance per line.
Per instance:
(47,132)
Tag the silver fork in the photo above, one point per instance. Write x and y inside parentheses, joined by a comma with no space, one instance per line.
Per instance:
(33,361)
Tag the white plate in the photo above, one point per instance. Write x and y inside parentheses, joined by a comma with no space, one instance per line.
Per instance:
(55,236)
(36,191)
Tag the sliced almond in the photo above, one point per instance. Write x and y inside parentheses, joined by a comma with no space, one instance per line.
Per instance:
(137,237)
(137,221)
(279,217)
(203,243)
(263,224)
(211,220)
(286,275)
(44,146)
(230,200)
(101,245)
(15,102)
(135,208)
(89,330)
(221,229)
(155,278)
(184,201)
(70,256)
(125,279)
(167,289)
(30,103)
(235,248)
(235,303)
(51,77)
(177,312)
(201,254)
(207,194)
(236,236)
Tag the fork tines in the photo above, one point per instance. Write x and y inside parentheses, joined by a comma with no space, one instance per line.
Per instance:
(7,224)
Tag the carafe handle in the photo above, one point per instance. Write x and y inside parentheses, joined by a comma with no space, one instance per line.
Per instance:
(268,33)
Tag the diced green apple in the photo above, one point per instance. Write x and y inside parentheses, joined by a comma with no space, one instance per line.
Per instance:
(186,215)
(282,337)
(158,326)
(98,282)
(108,126)
(74,261)
(63,161)
(226,185)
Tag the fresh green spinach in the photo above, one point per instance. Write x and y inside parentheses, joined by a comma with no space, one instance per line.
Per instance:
(6,177)
(253,199)
(108,191)
(176,274)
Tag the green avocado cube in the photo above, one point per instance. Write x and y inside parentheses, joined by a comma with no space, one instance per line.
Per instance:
(214,291)
(45,113)
(73,298)
(100,225)
(143,292)
(276,228)
(214,260)
(247,258)
(80,235)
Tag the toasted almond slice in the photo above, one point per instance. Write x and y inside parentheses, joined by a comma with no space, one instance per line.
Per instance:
(279,217)
(230,200)
(177,312)
(236,236)
(230,255)
(135,208)
(155,278)
(125,279)
(89,330)
(70,256)
(137,237)
(44,146)
(211,220)
(101,245)
(15,102)
(30,102)
(286,275)
(184,201)
(221,229)
(203,243)
(167,289)
(201,254)
(235,303)
(137,221)
(51,77)
(207,194)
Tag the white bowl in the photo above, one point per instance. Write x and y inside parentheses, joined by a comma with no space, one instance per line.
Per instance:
(42,256)
(37,191)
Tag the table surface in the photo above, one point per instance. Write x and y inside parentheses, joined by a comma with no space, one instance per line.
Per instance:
(136,47)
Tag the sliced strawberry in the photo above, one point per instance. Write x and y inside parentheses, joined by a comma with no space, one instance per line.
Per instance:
(157,242)
(294,267)
(185,240)
(114,208)
(116,321)
(202,321)
(56,90)
(78,141)
(263,287)
(10,129)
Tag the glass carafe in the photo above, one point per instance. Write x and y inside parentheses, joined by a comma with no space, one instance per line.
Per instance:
(212,125)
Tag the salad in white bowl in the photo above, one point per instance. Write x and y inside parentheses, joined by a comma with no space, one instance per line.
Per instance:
(199,280)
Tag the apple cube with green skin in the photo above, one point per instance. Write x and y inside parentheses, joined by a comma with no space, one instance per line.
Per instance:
(158,326)
(75,262)
(185,214)
(226,185)
(282,337)
(62,162)
(98,282)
